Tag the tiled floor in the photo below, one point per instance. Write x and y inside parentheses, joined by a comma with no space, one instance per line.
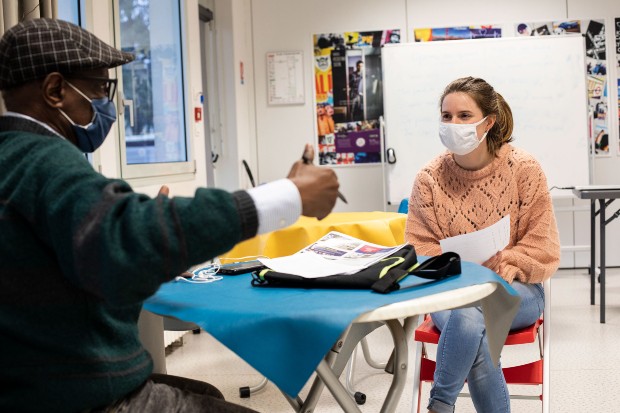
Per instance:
(584,355)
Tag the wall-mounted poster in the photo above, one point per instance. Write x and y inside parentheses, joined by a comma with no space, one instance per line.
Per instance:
(349,95)
(457,33)
(594,33)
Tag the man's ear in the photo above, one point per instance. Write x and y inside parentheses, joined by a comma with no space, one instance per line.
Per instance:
(53,91)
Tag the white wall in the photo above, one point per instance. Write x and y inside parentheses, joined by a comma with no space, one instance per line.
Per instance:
(451,13)
(281,25)
(282,131)
(272,138)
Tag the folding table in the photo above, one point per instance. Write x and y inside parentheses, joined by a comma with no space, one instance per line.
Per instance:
(605,194)
(287,334)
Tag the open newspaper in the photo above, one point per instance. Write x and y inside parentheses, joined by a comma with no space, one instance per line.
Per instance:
(335,253)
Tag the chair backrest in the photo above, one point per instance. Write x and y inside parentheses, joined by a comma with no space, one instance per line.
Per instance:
(403,208)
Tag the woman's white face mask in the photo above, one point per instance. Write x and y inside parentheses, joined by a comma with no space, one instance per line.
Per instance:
(460,138)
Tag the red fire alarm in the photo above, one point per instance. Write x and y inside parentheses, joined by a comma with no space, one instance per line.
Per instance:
(198,114)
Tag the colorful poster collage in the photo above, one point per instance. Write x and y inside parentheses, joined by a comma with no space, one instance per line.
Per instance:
(349,95)
(457,33)
(596,64)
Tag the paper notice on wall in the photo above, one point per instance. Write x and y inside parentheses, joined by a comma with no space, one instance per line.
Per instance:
(481,245)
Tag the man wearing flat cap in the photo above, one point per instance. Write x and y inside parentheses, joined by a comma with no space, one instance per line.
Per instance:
(79,253)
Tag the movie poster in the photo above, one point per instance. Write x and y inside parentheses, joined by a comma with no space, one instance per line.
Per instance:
(457,33)
(596,66)
(349,95)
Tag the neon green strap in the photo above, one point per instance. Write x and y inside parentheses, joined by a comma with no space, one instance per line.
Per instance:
(384,270)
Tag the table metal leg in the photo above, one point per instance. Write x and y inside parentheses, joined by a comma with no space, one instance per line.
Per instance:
(151,329)
(336,388)
(330,376)
(592,250)
(401,355)
(336,361)
(602,253)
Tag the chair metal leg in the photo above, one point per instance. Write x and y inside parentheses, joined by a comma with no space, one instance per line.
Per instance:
(417,384)
(350,372)
(367,356)
(247,391)
(546,396)
(417,357)
(360,397)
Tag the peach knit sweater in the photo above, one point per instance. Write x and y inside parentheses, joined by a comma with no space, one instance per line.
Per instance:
(448,200)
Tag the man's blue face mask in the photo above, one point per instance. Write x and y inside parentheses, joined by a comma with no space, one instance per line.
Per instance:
(91,136)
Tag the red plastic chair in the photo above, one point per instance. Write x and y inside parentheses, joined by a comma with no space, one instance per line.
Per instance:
(533,373)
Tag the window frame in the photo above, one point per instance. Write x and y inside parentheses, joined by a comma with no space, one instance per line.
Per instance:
(150,172)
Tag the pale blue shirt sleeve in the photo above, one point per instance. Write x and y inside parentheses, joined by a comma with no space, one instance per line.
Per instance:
(278,204)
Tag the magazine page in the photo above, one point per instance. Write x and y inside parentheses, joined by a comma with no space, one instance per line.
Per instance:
(334,253)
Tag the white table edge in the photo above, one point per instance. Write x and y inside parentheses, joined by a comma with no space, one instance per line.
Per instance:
(428,304)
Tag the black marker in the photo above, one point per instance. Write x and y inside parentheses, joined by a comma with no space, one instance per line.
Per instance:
(307,162)
(249,172)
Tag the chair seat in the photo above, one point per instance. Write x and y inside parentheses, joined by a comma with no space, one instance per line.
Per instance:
(428,333)
(530,373)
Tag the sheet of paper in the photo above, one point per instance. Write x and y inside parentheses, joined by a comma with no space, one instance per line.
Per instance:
(481,245)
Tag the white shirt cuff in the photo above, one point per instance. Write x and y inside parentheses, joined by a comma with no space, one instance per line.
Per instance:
(278,204)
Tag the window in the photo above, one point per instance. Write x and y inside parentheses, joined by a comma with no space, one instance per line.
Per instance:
(69,11)
(153,128)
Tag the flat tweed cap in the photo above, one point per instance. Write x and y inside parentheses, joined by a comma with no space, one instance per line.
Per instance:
(34,48)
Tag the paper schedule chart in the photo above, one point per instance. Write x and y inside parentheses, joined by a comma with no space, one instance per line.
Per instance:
(285,80)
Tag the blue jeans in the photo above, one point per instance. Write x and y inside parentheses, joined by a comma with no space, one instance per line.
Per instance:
(463,353)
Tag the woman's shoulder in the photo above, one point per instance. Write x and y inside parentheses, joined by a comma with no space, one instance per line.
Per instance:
(525,167)
(520,157)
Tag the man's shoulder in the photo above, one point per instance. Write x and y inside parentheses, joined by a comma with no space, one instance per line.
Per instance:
(25,149)
(32,140)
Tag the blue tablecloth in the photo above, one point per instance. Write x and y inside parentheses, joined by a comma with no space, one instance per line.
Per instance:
(285,332)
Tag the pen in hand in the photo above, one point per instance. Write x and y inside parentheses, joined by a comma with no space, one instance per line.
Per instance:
(307,162)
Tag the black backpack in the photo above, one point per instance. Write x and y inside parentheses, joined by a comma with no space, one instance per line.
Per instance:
(382,276)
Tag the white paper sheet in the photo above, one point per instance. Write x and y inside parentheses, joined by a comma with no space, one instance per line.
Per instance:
(481,245)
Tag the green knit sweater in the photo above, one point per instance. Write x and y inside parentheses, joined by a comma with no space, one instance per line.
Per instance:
(79,253)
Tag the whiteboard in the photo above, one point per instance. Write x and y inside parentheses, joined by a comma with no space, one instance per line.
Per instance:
(543,79)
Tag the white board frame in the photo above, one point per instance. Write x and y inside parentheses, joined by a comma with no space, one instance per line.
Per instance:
(543,79)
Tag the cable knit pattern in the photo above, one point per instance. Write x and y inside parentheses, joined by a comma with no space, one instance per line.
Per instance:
(448,200)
